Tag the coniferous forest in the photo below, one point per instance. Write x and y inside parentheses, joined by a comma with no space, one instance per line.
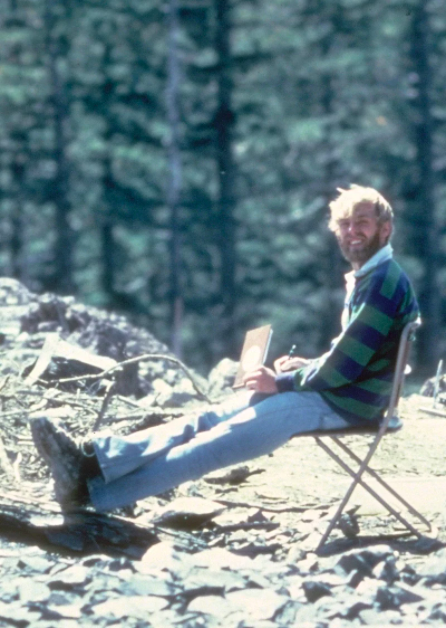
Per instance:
(173,161)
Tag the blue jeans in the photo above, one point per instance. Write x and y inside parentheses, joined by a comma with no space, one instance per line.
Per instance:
(249,425)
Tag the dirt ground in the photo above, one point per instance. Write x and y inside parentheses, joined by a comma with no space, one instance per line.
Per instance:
(412,460)
(301,474)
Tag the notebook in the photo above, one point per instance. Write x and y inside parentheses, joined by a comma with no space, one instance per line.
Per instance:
(254,352)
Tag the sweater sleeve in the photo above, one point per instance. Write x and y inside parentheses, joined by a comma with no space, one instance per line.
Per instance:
(354,349)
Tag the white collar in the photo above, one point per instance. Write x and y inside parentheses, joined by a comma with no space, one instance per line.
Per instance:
(381,256)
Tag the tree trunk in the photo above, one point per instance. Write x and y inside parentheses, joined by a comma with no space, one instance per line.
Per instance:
(425,227)
(106,222)
(174,182)
(224,122)
(108,257)
(16,241)
(63,280)
(330,322)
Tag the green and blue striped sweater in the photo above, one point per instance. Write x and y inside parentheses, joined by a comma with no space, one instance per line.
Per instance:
(355,376)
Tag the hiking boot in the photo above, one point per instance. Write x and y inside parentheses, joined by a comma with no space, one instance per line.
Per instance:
(66,460)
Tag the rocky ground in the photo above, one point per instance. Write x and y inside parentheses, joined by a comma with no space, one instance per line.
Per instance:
(235,549)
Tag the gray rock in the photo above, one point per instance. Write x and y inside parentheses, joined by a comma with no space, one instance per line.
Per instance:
(258,580)
(222,558)
(69,578)
(393,597)
(188,513)
(139,584)
(286,616)
(307,615)
(257,604)
(15,614)
(314,590)
(375,617)
(331,579)
(329,608)
(409,575)
(221,378)
(215,605)
(388,570)
(220,580)
(29,590)
(60,612)
(255,548)
(165,556)
(438,613)
(364,560)
(353,608)
(310,564)
(178,395)
(139,607)
(434,570)
(234,476)
(40,564)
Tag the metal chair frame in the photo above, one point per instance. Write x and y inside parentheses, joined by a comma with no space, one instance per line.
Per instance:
(407,336)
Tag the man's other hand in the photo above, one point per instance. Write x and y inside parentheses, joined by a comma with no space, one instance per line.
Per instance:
(285,363)
(261,380)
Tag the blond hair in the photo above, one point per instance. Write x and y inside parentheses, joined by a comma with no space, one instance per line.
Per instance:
(348,200)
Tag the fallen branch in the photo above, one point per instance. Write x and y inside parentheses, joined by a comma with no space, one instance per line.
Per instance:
(82,532)
(148,416)
(5,463)
(6,415)
(4,382)
(277,509)
(245,526)
(140,358)
(108,395)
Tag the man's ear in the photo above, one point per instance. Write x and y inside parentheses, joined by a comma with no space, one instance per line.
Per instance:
(385,231)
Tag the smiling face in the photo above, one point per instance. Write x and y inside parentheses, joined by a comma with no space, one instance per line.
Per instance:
(361,234)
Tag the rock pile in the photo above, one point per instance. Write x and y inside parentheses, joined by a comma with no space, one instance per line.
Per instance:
(29,320)
(216,587)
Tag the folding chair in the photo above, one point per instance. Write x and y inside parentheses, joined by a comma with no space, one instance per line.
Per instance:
(407,336)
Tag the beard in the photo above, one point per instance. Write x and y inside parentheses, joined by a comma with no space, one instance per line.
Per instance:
(361,255)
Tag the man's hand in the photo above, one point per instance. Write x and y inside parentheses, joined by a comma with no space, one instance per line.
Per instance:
(261,380)
(285,363)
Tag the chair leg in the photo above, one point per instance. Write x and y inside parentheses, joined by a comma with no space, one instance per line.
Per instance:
(357,480)
(384,484)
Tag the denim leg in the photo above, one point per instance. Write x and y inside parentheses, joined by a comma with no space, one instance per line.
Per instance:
(255,431)
(119,455)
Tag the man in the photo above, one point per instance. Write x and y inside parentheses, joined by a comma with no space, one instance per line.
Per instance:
(347,386)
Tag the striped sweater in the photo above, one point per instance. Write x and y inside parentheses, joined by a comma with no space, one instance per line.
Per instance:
(355,376)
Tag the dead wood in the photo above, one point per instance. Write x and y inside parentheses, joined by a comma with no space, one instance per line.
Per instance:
(276,509)
(110,389)
(6,464)
(81,532)
(141,358)
(246,526)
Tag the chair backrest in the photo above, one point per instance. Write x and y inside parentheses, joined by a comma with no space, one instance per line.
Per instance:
(407,336)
